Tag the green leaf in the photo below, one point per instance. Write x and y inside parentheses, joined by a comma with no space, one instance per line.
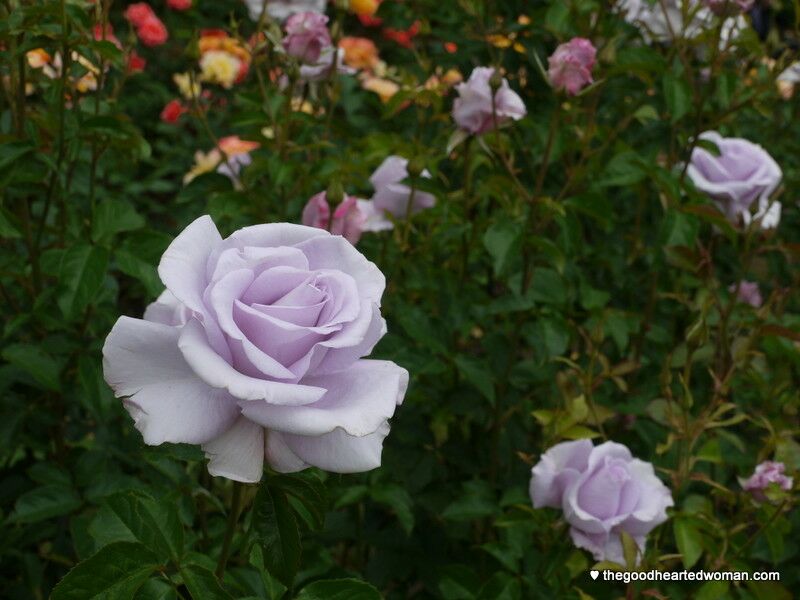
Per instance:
(630,549)
(203,584)
(339,589)
(45,502)
(475,502)
(399,500)
(83,268)
(478,375)
(712,590)
(112,217)
(677,95)
(154,524)
(310,491)
(44,370)
(275,528)
(156,589)
(689,541)
(115,572)
(502,241)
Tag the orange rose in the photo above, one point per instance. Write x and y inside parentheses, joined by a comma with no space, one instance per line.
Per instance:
(359,53)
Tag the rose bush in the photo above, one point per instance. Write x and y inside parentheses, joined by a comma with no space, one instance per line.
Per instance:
(256,349)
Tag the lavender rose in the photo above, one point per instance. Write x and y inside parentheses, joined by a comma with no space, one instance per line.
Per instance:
(306,36)
(570,66)
(767,475)
(254,352)
(475,112)
(743,174)
(747,292)
(603,491)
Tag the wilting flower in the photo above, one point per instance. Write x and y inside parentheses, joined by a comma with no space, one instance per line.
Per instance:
(173,111)
(179,4)
(747,292)
(742,174)
(768,475)
(306,36)
(475,111)
(281,9)
(347,221)
(391,197)
(359,52)
(603,491)
(571,65)
(255,351)
(728,7)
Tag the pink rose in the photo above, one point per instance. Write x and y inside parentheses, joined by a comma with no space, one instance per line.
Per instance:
(306,36)
(571,65)
(152,32)
(475,112)
(748,293)
(348,220)
(255,351)
(603,491)
(138,13)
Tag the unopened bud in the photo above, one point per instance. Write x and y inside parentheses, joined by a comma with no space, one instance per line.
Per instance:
(416,166)
(335,193)
(496,80)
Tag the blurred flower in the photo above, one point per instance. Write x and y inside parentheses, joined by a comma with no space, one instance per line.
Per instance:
(232,167)
(255,352)
(138,13)
(306,36)
(499,40)
(787,80)
(37,58)
(742,174)
(385,88)
(173,111)
(476,112)
(136,63)
(107,34)
(365,7)
(219,67)
(602,491)
(204,162)
(218,40)
(179,4)
(392,197)
(723,8)
(359,52)
(189,89)
(347,220)
(767,475)
(152,32)
(281,9)
(571,65)
(403,37)
(748,293)
(450,47)
(232,145)
(664,20)
(324,67)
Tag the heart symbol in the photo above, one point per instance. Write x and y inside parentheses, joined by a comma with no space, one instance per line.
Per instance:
(594,573)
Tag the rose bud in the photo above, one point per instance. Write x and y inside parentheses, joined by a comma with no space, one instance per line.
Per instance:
(474,110)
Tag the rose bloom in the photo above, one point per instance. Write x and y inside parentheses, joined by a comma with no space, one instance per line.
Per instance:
(255,351)
(474,110)
(306,36)
(603,491)
(173,111)
(571,65)
(365,7)
(348,220)
(152,32)
(37,58)
(767,475)
(138,13)
(742,175)
(179,4)
(136,64)
(392,197)
(748,293)
(280,10)
(220,67)
(385,88)
(662,20)
(218,39)
(204,162)
(359,52)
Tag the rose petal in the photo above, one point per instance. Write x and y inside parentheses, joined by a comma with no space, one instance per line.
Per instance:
(238,453)
(358,401)
(183,265)
(212,369)
(168,402)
